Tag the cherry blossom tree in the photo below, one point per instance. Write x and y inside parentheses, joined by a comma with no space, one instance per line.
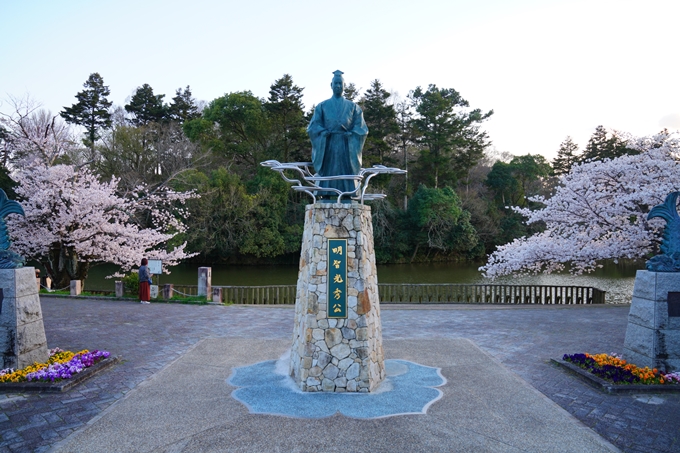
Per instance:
(73,221)
(34,133)
(598,212)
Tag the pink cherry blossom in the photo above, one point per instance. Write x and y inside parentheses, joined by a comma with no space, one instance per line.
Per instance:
(598,212)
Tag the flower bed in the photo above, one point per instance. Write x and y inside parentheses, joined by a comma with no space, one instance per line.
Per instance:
(60,365)
(613,368)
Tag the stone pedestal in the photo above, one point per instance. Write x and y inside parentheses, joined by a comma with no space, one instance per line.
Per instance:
(653,332)
(22,334)
(330,354)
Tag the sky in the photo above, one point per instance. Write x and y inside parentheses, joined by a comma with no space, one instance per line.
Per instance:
(547,68)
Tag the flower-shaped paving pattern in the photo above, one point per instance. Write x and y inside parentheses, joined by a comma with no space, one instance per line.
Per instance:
(408,389)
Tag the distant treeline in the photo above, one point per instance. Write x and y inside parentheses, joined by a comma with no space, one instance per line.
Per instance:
(454,204)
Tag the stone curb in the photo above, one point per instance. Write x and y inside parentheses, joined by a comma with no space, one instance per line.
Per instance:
(61,386)
(613,389)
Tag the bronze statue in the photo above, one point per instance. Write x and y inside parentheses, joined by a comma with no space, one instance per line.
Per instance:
(337,132)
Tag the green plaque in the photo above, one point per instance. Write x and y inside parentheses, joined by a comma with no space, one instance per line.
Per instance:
(337,278)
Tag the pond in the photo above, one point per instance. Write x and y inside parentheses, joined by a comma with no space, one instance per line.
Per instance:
(616,279)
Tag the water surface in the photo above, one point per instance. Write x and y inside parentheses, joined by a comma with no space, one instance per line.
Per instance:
(616,279)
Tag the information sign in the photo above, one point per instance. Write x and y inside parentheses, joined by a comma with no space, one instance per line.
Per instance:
(337,278)
(155,267)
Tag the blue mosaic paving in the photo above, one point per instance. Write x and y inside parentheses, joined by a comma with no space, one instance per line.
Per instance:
(265,388)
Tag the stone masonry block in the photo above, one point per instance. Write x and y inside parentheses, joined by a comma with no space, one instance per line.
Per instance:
(29,309)
(645,285)
(640,339)
(334,342)
(652,337)
(642,312)
(22,332)
(669,341)
(18,282)
(31,336)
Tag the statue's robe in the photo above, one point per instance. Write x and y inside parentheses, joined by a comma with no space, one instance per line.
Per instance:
(337,153)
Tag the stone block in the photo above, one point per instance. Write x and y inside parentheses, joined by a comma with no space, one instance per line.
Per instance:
(642,312)
(340,351)
(645,285)
(8,315)
(30,336)
(668,343)
(18,282)
(217,295)
(120,288)
(76,287)
(27,309)
(652,337)
(22,334)
(640,339)
(204,281)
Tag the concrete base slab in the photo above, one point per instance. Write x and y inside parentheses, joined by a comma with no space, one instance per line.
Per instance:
(188,407)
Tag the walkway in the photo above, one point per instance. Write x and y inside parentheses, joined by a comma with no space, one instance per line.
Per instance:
(152,337)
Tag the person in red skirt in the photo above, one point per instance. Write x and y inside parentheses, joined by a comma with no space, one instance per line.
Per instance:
(144,282)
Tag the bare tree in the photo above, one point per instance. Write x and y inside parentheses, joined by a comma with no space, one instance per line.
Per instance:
(34,133)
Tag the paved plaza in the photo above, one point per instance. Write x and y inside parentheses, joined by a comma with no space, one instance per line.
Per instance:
(158,341)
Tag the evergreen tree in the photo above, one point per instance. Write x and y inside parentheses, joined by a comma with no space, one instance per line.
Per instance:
(5,148)
(238,128)
(604,145)
(513,182)
(183,106)
(351,92)
(286,112)
(92,109)
(438,223)
(146,107)
(566,157)
(405,139)
(449,135)
(381,119)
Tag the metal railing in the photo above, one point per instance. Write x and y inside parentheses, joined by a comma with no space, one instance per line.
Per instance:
(489,294)
(427,293)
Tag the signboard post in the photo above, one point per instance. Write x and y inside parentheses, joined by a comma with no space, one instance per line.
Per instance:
(155,268)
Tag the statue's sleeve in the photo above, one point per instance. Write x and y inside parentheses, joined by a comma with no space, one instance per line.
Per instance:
(315,128)
(357,139)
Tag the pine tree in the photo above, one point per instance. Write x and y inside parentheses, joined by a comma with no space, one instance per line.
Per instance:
(448,133)
(381,119)
(146,107)
(92,109)
(351,92)
(183,107)
(566,157)
(604,145)
(286,112)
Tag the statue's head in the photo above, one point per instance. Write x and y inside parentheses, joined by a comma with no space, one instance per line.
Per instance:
(338,83)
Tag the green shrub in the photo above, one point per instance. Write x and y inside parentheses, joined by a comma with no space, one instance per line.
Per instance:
(131,283)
